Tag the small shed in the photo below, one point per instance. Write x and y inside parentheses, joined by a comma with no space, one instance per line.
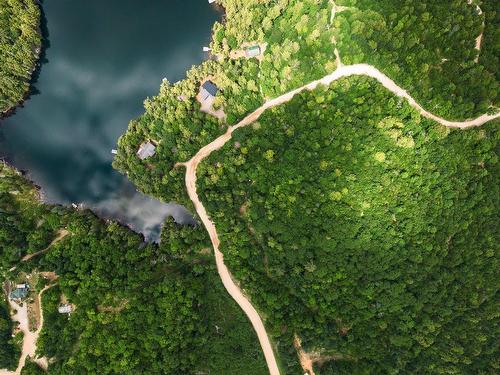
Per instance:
(65,309)
(208,90)
(20,292)
(146,150)
(252,51)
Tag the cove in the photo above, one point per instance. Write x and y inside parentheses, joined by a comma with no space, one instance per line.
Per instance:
(102,59)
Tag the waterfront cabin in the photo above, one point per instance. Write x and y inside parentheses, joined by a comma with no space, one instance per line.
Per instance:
(208,91)
(21,292)
(65,309)
(146,150)
(252,51)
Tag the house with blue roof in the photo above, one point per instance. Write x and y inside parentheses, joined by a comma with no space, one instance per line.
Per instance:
(208,91)
(20,292)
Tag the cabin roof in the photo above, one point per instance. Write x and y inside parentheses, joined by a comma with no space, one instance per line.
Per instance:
(65,309)
(210,87)
(19,293)
(146,150)
(252,51)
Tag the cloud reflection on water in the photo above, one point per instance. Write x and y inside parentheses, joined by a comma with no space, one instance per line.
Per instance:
(92,86)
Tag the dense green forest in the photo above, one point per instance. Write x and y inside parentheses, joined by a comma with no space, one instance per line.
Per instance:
(348,218)
(490,49)
(366,229)
(20,44)
(140,308)
(428,47)
(31,368)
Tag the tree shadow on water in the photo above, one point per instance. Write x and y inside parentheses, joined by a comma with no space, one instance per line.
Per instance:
(42,59)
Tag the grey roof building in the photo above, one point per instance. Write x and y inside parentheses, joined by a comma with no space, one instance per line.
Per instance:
(65,309)
(146,150)
(252,51)
(20,292)
(208,89)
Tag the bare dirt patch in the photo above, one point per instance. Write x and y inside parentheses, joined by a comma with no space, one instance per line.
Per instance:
(34,314)
(308,360)
(121,304)
(63,299)
(244,208)
(49,275)
(205,251)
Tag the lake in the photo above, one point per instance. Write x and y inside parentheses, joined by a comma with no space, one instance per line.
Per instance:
(103,59)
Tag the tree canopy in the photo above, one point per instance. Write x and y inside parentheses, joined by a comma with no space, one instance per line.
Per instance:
(364,228)
(140,308)
(20,43)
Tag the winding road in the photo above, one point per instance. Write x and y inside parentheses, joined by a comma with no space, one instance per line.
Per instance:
(192,165)
(60,235)
(29,338)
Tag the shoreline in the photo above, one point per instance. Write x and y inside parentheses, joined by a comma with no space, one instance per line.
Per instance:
(39,52)
(40,196)
(98,212)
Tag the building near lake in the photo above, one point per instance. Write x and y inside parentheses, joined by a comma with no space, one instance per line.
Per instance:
(146,150)
(252,51)
(208,91)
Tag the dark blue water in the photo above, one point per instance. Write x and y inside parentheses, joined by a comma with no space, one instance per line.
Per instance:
(104,59)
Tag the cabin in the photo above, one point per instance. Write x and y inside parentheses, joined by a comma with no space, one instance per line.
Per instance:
(146,150)
(252,51)
(21,292)
(208,91)
(65,309)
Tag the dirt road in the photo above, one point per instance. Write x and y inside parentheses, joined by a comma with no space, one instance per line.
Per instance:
(30,338)
(192,165)
(60,235)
